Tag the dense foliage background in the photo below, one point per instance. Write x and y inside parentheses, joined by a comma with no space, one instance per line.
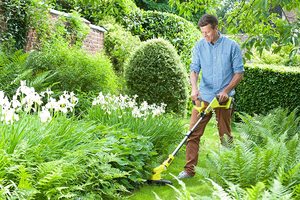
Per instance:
(103,144)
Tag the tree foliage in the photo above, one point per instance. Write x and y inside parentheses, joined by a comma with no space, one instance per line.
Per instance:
(265,28)
(95,10)
(158,5)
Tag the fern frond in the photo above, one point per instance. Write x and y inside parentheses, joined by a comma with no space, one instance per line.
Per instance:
(201,171)
(238,164)
(277,191)
(40,80)
(291,177)
(293,146)
(296,192)
(255,192)
(22,76)
(235,191)
(219,191)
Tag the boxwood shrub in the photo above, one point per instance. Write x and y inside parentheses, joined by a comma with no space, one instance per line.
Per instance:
(155,74)
(266,87)
(152,24)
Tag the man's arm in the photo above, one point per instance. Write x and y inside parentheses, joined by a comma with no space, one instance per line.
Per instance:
(195,92)
(236,79)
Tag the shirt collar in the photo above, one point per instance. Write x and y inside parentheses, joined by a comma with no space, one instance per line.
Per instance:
(218,40)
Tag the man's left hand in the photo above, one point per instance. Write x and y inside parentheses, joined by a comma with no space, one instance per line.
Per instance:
(223,96)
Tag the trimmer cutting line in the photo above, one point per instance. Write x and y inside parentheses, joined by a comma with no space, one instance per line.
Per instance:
(156,177)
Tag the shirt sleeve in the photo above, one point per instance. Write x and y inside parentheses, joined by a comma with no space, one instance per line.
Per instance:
(195,64)
(237,59)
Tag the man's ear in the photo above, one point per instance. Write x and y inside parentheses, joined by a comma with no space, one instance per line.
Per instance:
(216,27)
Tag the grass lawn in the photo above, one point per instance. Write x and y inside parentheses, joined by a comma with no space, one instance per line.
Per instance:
(210,140)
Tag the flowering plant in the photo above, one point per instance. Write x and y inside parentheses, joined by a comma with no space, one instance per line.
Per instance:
(125,105)
(28,100)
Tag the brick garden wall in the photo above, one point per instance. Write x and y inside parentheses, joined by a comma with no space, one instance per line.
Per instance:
(93,43)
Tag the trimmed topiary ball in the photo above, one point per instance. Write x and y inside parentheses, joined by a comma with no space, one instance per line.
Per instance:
(155,73)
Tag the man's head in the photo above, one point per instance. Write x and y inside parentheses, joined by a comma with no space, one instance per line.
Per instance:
(208,25)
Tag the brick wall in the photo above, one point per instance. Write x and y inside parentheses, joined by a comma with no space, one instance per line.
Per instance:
(93,43)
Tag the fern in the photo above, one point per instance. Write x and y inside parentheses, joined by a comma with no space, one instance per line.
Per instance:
(277,191)
(220,192)
(11,66)
(42,80)
(291,177)
(293,146)
(255,192)
(261,129)
(296,192)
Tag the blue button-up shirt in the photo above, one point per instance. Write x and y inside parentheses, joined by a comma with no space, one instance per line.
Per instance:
(218,63)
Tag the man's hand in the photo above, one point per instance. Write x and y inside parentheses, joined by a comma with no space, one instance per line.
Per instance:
(223,96)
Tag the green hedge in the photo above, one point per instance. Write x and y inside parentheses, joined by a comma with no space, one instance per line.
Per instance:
(266,87)
(181,33)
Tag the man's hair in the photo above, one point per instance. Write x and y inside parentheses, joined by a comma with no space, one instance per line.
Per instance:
(208,19)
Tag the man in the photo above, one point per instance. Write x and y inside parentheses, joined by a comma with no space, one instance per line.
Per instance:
(221,63)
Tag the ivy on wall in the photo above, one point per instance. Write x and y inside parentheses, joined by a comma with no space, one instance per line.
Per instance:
(15,17)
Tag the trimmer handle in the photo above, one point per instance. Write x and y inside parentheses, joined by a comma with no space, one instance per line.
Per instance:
(215,103)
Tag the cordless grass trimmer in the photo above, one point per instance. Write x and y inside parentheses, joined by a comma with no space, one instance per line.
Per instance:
(156,177)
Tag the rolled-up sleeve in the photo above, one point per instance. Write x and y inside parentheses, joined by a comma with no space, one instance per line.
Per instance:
(195,64)
(237,59)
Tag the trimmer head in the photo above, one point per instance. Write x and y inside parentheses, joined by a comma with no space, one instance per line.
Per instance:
(161,182)
(156,176)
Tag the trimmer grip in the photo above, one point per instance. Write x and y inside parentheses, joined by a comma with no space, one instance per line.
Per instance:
(226,105)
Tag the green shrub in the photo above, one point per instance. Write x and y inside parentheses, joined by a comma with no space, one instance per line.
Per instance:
(119,44)
(266,87)
(180,32)
(75,69)
(155,74)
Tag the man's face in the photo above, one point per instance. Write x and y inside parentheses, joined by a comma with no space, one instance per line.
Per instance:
(209,33)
